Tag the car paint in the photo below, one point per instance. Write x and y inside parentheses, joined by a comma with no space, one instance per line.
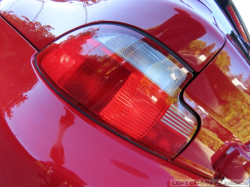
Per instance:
(91,155)
(36,130)
(48,20)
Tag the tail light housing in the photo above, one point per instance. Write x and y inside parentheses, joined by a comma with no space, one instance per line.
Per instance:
(124,81)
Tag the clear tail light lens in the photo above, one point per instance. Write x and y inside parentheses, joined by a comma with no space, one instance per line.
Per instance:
(125,81)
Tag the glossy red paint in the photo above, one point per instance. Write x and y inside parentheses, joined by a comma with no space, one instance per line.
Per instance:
(16,73)
(68,146)
(18,168)
(232,161)
(63,145)
(221,96)
(16,78)
(171,22)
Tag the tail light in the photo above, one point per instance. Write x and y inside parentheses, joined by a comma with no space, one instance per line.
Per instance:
(124,81)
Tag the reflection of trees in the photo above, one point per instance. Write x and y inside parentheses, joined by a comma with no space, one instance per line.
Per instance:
(232,121)
(40,35)
(213,134)
(16,100)
(236,114)
(234,102)
(195,47)
(223,61)
(198,48)
(16,74)
(209,138)
(35,28)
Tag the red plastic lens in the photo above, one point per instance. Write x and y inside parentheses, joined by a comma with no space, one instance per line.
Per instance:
(124,82)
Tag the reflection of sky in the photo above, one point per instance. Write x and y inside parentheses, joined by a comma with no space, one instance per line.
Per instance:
(23,10)
(236,70)
(52,12)
(64,16)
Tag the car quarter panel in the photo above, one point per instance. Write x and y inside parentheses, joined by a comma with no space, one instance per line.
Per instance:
(63,145)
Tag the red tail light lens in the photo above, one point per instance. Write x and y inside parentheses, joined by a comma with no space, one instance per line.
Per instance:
(124,81)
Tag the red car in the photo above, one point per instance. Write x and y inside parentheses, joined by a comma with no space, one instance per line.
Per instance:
(123,93)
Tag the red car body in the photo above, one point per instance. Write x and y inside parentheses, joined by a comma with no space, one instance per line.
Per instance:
(198,32)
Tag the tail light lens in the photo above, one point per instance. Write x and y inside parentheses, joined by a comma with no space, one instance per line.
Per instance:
(125,81)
